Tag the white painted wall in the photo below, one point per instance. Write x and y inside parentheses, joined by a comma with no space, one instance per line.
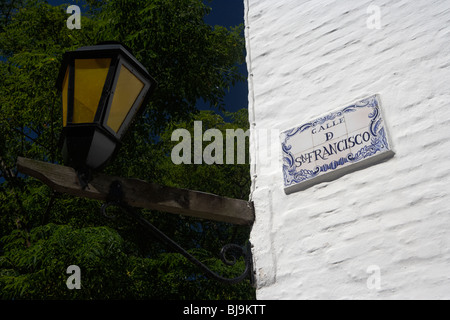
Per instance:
(306,58)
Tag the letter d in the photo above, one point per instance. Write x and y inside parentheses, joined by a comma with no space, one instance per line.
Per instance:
(329,135)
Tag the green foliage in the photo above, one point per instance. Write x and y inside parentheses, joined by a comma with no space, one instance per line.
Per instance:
(34,267)
(33,42)
(42,233)
(190,59)
(35,264)
(208,178)
(228,180)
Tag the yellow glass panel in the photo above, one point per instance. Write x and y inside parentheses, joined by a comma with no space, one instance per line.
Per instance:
(126,92)
(90,77)
(65,90)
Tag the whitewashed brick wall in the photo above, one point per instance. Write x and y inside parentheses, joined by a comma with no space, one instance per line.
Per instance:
(306,58)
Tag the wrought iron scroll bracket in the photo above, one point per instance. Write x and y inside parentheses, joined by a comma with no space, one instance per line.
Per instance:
(114,199)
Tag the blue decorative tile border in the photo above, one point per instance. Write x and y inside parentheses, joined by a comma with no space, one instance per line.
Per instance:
(349,148)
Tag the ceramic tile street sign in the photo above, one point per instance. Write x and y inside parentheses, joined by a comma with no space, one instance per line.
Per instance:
(334,144)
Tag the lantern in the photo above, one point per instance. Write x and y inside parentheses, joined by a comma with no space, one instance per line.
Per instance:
(103,88)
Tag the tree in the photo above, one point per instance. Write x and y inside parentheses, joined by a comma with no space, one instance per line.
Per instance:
(43,233)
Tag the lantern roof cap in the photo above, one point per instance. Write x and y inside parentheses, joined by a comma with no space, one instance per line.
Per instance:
(106,48)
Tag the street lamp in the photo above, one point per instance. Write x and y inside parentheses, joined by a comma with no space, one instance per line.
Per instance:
(103,88)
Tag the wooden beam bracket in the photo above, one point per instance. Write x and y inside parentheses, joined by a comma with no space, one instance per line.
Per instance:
(142,194)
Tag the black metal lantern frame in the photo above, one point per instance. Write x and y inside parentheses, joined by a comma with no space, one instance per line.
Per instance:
(107,72)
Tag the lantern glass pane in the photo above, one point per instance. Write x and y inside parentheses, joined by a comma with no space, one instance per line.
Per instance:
(90,78)
(65,90)
(126,92)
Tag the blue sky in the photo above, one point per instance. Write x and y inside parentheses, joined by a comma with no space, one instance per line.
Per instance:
(230,13)
(225,13)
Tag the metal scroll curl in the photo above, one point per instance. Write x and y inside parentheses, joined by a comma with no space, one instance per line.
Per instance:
(229,253)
